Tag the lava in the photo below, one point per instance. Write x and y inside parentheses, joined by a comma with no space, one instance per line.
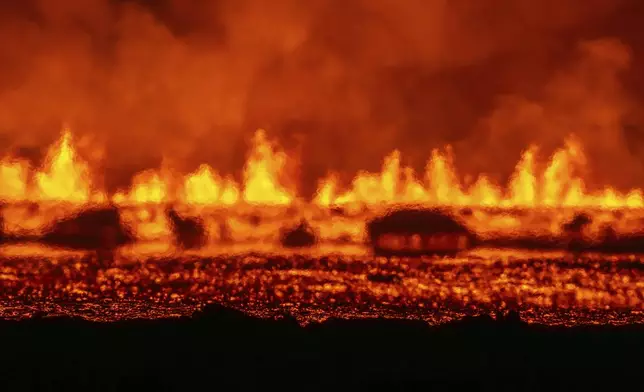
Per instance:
(66,177)
(535,201)
(548,288)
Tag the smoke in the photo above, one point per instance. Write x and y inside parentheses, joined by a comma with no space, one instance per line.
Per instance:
(340,82)
(586,99)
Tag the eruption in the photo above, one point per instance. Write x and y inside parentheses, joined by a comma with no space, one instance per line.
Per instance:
(482,94)
(65,177)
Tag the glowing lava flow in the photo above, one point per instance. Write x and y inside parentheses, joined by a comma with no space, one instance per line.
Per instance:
(556,187)
(65,177)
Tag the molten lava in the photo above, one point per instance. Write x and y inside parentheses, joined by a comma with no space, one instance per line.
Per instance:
(555,187)
(35,196)
(66,177)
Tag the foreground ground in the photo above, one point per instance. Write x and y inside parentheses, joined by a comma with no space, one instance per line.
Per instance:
(548,288)
(247,321)
(221,349)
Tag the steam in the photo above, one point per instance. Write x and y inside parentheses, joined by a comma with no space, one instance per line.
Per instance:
(340,82)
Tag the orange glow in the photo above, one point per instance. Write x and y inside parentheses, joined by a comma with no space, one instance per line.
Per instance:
(66,177)
(63,177)
(206,187)
(261,174)
(556,186)
(147,187)
(13,179)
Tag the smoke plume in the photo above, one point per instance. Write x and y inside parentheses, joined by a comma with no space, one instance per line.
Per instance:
(342,82)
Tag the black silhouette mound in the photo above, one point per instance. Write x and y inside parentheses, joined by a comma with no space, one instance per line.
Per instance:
(577,224)
(573,230)
(300,236)
(189,233)
(231,350)
(609,240)
(438,232)
(94,228)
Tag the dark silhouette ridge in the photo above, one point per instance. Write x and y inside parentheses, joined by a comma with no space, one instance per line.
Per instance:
(223,347)
(574,231)
(435,232)
(299,236)
(384,278)
(577,223)
(189,233)
(97,228)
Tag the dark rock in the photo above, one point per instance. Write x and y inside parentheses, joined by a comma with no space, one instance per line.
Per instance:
(299,236)
(609,240)
(189,233)
(613,243)
(532,242)
(512,317)
(255,219)
(418,232)
(384,278)
(573,230)
(337,211)
(577,224)
(93,228)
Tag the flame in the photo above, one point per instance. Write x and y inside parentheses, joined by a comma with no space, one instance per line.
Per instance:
(66,177)
(557,186)
(63,177)
(205,187)
(262,172)
(14,175)
(147,187)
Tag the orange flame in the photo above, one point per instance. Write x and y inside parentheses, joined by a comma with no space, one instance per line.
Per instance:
(262,172)
(556,187)
(65,177)
(205,187)
(14,175)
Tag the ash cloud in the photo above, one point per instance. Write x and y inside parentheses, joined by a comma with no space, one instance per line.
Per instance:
(340,82)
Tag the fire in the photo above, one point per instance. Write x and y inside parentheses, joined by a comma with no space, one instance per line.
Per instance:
(147,187)
(557,186)
(66,177)
(262,172)
(13,179)
(206,187)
